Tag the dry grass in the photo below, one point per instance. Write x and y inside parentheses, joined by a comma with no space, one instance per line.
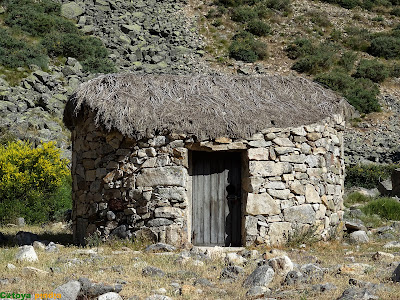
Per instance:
(204,105)
(327,254)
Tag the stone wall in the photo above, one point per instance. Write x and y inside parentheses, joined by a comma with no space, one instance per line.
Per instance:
(292,180)
(295,182)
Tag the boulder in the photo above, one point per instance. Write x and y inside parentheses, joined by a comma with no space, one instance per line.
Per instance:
(71,10)
(25,238)
(69,290)
(261,276)
(359,237)
(160,247)
(110,296)
(281,265)
(26,253)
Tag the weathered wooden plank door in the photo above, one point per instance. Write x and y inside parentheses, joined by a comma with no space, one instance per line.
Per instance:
(216,199)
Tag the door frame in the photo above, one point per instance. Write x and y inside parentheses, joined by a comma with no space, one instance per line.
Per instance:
(244,172)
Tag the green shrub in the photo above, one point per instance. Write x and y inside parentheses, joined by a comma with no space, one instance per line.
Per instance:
(281,5)
(243,14)
(347,60)
(244,47)
(319,18)
(367,176)
(335,80)
(31,182)
(361,93)
(321,59)
(258,28)
(299,48)
(36,17)
(385,46)
(395,70)
(54,34)
(16,53)
(386,208)
(356,197)
(395,12)
(89,50)
(372,69)
(357,39)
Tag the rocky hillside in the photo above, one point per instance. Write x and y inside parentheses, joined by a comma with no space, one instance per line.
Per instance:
(177,36)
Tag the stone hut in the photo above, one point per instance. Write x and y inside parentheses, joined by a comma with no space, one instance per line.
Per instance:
(205,159)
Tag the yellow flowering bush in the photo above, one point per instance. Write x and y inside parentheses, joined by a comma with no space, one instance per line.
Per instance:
(33,181)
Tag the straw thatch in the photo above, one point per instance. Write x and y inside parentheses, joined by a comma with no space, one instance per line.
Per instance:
(203,105)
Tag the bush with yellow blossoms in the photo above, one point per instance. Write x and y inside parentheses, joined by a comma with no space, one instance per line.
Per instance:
(35,183)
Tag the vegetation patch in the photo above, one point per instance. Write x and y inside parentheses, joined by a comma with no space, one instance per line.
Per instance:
(386,208)
(367,176)
(34,182)
(246,48)
(37,30)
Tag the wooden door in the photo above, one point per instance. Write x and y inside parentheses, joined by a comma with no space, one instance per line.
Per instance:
(216,198)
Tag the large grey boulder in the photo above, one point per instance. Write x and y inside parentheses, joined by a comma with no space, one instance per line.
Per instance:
(261,276)
(71,10)
(281,265)
(160,247)
(110,296)
(396,182)
(26,253)
(355,293)
(69,290)
(26,238)
(359,237)
(396,274)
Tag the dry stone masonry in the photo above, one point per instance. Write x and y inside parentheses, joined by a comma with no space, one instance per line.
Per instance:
(292,182)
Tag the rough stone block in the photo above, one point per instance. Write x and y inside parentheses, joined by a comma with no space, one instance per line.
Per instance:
(312,195)
(293,158)
(269,168)
(168,212)
(301,214)
(258,154)
(280,194)
(279,232)
(164,176)
(283,142)
(261,204)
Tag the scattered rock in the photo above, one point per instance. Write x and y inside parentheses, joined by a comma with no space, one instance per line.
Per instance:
(261,276)
(28,271)
(26,253)
(355,293)
(322,288)
(91,289)
(160,247)
(257,292)
(25,238)
(392,244)
(158,297)
(383,256)
(359,237)
(396,274)
(203,282)
(39,245)
(231,273)
(281,265)
(110,296)
(69,290)
(152,271)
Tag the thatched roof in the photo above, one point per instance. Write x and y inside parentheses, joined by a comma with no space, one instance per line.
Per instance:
(203,105)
